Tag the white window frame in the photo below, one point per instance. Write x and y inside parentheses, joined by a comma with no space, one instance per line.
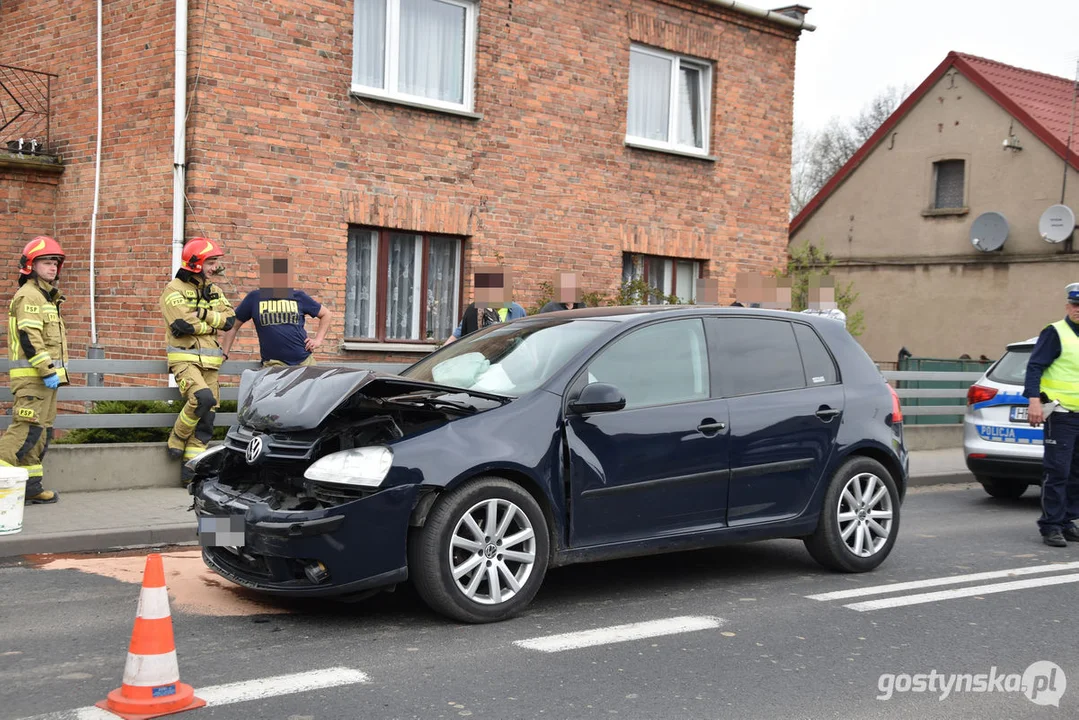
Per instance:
(672,103)
(392,60)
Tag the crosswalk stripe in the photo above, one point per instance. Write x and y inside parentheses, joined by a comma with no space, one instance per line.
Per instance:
(937,582)
(620,633)
(903,600)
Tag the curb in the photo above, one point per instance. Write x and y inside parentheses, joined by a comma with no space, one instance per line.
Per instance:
(955,477)
(13,546)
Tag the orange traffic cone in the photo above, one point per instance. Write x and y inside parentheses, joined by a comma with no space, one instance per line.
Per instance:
(151,686)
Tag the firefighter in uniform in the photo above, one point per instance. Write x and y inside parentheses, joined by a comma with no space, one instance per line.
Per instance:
(37,346)
(1052,386)
(195,311)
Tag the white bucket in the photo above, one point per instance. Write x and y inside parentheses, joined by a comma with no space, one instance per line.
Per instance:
(12,496)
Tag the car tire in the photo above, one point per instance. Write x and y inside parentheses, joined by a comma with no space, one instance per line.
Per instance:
(455,517)
(1003,489)
(840,516)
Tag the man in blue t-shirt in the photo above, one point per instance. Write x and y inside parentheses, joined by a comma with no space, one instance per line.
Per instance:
(278,311)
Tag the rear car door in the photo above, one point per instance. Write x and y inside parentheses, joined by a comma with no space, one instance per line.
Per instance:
(659,465)
(786,405)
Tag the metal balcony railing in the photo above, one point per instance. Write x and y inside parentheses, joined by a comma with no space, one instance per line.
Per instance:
(25,111)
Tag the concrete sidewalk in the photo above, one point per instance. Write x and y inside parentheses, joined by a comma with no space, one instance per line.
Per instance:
(115,519)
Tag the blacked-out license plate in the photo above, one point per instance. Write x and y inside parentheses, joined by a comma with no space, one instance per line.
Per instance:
(1019,414)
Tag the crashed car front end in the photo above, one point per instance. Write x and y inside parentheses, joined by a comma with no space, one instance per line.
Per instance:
(303,498)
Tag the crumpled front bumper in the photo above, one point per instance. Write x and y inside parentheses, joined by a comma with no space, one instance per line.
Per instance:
(361,545)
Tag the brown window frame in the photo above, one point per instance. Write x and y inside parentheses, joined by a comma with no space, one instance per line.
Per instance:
(674,269)
(382,270)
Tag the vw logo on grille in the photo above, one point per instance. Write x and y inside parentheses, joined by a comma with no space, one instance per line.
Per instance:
(255,450)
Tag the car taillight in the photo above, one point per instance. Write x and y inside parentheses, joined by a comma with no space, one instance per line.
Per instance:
(980,393)
(897,409)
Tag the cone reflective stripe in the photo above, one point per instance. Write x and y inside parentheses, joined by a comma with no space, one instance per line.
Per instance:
(151,686)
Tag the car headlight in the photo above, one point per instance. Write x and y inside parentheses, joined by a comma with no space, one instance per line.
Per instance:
(366,467)
(208,461)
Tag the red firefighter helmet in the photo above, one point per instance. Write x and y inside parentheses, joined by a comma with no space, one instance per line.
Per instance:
(39,247)
(197,251)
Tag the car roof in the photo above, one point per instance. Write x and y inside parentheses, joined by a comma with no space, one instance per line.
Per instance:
(641,313)
(1022,343)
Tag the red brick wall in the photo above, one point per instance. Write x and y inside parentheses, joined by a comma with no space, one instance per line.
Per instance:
(280,155)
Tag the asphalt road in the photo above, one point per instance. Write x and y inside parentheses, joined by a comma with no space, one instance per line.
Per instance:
(756,646)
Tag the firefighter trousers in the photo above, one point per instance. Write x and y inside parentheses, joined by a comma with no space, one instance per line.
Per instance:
(195,424)
(26,441)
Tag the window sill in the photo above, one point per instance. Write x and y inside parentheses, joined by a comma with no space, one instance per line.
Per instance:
(26,161)
(414,104)
(670,151)
(391,347)
(939,212)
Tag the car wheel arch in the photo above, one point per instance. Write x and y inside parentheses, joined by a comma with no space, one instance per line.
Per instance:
(889,461)
(423,506)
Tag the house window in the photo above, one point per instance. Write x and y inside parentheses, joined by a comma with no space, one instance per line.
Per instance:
(669,101)
(948,184)
(420,51)
(401,286)
(666,276)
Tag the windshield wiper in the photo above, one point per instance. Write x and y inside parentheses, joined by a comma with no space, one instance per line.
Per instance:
(427,401)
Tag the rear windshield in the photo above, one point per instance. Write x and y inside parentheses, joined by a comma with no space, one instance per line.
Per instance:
(1012,368)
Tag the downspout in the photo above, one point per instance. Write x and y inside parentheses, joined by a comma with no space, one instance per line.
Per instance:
(97,194)
(179,161)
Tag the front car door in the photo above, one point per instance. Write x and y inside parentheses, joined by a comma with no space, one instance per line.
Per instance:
(659,465)
(786,405)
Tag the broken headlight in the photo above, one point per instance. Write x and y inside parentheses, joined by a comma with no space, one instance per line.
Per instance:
(365,467)
(208,462)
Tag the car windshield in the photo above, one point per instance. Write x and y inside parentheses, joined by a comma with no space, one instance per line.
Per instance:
(509,359)
(1012,368)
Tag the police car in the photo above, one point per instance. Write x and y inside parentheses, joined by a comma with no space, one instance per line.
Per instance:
(1002,450)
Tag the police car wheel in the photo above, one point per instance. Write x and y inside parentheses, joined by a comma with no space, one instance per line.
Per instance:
(482,552)
(1002,488)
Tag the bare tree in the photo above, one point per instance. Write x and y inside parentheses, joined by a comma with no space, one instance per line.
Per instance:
(817,156)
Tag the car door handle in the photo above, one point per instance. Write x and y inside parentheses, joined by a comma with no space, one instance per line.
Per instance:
(708,425)
(827,413)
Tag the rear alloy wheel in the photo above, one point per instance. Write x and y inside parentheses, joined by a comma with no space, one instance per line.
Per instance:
(860,519)
(482,553)
(1001,488)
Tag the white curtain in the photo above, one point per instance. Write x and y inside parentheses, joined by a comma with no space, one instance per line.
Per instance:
(689,107)
(360,290)
(649,95)
(686,281)
(369,43)
(441,287)
(402,300)
(432,50)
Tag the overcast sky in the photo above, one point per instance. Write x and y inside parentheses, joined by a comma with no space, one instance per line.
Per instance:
(860,47)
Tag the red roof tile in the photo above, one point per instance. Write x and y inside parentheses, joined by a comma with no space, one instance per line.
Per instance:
(1041,103)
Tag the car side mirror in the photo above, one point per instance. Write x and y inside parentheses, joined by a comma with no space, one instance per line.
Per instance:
(598,397)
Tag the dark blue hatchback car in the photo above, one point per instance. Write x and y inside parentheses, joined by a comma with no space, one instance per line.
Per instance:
(554,439)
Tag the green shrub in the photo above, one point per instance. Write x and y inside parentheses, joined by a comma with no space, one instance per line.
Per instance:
(126,435)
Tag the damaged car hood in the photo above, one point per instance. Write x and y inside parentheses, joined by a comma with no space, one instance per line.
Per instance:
(286,399)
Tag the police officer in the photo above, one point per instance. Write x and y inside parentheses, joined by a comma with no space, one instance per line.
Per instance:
(195,310)
(37,347)
(1052,384)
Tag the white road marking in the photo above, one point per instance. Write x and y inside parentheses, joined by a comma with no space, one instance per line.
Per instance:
(620,633)
(961,592)
(237,692)
(936,582)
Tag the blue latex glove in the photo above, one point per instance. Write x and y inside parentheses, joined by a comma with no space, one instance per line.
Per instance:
(52,382)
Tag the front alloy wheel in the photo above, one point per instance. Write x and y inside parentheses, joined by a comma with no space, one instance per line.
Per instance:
(482,552)
(859,520)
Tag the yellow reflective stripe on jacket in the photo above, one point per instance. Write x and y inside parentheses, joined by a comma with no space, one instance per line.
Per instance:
(24,372)
(41,357)
(1060,381)
(24,323)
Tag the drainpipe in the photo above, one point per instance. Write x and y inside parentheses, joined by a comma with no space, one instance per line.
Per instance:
(179,135)
(95,351)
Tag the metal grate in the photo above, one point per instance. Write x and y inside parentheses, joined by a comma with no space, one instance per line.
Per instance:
(25,111)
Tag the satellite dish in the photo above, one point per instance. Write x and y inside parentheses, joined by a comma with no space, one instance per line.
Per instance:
(1056,224)
(989,231)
